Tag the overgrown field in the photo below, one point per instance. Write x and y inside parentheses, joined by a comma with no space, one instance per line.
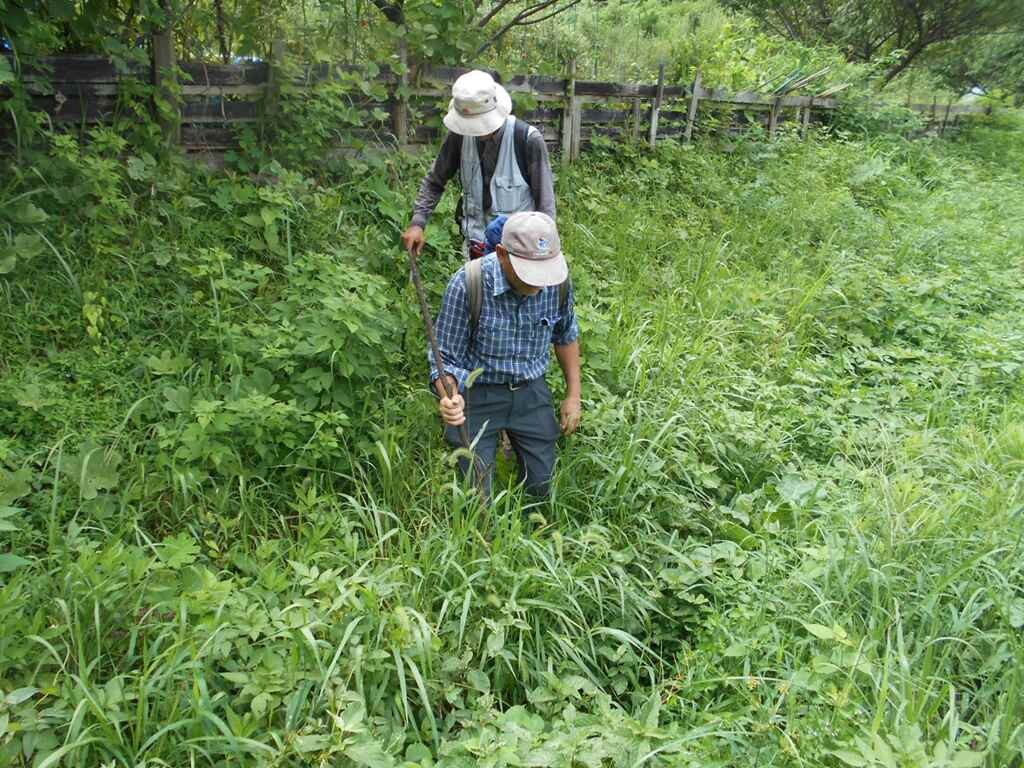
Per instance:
(788,534)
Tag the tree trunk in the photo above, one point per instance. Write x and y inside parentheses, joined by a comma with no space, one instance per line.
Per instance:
(225,53)
(903,63)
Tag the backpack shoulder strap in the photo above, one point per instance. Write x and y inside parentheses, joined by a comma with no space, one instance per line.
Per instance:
(474,293)
(563,295)
(522,135)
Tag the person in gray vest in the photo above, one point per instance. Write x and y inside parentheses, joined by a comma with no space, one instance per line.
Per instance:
(502,163)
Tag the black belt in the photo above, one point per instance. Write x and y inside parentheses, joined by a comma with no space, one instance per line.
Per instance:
(512,386)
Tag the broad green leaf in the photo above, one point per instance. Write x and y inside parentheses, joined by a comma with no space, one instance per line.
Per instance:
(93,469)
(18,695)
(1016,612)
(369,753)
(479,680)
(736,650)
(966,759)
(28,213)
(311,742)
(9,562)
(139,169)
(819,631)
(417,753)
(473,376)
(849,757)
(14,485)
(7,263)
(179,551)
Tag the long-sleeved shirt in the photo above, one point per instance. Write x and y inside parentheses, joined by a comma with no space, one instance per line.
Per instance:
(449,163)
(514,337)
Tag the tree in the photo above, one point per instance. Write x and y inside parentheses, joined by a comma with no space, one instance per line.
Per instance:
(870,30)
(489,20)
(992,64)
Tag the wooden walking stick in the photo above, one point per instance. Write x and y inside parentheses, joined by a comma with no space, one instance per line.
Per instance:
(428,322)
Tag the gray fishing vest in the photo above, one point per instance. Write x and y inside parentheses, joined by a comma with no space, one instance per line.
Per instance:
(509,191)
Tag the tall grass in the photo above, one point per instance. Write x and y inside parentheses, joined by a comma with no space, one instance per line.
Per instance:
(788,532)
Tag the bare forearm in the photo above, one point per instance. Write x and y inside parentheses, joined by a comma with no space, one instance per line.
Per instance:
(569,360)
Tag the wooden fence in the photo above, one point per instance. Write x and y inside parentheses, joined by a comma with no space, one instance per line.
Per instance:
(209,102)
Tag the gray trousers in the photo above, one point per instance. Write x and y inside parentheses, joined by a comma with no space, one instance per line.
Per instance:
(528,416)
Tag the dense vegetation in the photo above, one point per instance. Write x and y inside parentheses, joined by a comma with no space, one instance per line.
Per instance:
(789,532)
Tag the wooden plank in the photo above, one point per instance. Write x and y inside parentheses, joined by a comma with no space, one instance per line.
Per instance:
(653,136)
(73,109)
(636,119)
(220,111)
(78,69)
(541,114)
(625,90)
(956,109)
(805,121)
(589,116)
(691,112)
(202,137)
(202,73)
(41,88)
(540,86)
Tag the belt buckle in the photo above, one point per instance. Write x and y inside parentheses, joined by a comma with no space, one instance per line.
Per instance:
(512,386)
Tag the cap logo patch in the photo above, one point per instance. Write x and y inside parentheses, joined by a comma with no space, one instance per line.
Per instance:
(542,245)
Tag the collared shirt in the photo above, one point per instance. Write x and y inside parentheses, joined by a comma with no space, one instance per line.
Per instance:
(449,162)
(513,340)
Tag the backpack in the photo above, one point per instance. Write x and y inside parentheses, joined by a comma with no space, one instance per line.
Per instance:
(475,293)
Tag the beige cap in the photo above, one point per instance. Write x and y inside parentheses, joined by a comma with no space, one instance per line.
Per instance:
(535,249)
(479,106)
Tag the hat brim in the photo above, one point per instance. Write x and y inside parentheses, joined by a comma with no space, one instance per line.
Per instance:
(540,273)
(480,125)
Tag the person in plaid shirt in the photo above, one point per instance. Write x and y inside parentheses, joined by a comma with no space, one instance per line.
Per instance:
(521,317)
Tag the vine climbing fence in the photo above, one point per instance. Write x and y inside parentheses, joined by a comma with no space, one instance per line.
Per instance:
(203,106)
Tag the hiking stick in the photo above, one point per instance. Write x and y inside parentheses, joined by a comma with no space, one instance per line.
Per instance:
(438,360)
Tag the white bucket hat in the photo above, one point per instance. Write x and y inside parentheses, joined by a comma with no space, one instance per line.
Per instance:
(479,106)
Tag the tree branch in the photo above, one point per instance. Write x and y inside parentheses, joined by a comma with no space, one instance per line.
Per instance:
(495,10)
(393,11)
(519,19)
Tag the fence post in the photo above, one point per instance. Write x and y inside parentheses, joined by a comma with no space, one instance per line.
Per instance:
(931,120)
(165,80)
(806,121)
(400,96)
(568,114)
(275,74)
(656,109)
(945,117)
(577,125)
(773,117)
(636,119)
(691,114)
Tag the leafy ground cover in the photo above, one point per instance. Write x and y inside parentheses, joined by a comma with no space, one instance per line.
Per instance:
(789,532)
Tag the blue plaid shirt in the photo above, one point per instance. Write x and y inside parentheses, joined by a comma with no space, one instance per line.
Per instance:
(513,340)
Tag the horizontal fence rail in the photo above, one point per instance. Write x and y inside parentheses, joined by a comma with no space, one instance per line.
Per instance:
(210,102)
